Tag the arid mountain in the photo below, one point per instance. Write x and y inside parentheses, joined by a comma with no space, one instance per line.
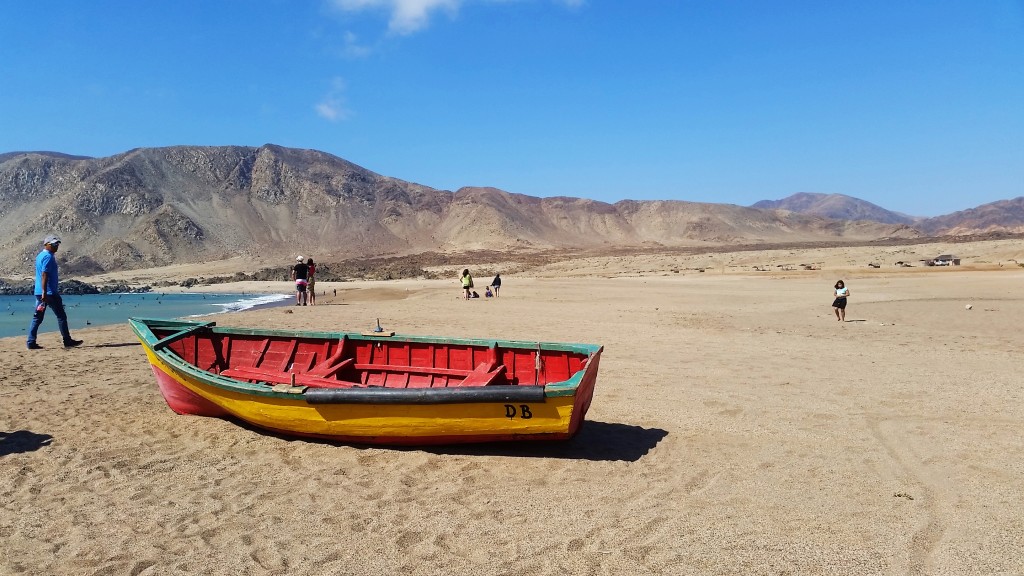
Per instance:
(1001,216)
(7,155)
(836,206)
(158,206)
(1004,216)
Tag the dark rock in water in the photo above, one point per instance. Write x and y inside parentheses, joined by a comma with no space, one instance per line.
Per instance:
(69,287)
(77,287)
(122,287)
(16,289)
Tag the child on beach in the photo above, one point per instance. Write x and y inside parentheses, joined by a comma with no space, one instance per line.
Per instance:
(467,283)
(839,304)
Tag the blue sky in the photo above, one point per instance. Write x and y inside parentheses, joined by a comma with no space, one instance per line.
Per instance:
(917,106)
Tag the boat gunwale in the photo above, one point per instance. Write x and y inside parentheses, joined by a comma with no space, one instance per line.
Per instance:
(447,395)
(143,328)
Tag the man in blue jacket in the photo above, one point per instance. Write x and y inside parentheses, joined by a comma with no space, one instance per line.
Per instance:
(48,296)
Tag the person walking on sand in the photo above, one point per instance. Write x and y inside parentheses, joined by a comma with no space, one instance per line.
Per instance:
(48,295)
(839,304)
(300,274)
(467,283)
(311,282)
(496,284)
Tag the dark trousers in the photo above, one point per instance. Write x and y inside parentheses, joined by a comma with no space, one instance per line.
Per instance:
(54,303)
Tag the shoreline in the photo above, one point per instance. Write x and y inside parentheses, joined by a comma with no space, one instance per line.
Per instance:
(86,311)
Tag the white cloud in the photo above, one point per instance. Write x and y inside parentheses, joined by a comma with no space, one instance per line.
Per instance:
(353,49)
(332,106)
(408,16)
(329,109)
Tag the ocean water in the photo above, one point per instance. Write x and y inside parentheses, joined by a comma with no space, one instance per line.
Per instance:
(91,310)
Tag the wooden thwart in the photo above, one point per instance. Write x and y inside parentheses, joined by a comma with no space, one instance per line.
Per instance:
(289,378)
(399,369)
(327,370)
(482,376)
(163,342)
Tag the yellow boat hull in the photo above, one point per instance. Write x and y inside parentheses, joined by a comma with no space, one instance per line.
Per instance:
(189,390)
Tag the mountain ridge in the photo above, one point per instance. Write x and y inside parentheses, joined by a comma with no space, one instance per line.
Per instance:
(837,207)
(150,207)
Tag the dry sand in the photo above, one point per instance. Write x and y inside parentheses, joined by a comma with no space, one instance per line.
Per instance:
(737,428)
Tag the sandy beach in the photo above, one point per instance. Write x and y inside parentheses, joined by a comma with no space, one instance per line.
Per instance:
(736,428)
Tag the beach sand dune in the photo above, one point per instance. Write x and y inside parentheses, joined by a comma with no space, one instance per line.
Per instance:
(737,428)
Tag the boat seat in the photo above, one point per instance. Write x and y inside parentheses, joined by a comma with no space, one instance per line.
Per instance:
(328,370)
(483,375)
(272,377)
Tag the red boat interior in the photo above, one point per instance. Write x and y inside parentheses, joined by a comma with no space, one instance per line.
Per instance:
(350,363)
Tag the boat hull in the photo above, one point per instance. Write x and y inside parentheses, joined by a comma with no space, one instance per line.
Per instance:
(417,417)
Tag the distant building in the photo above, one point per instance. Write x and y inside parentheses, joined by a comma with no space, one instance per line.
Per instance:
(944,260)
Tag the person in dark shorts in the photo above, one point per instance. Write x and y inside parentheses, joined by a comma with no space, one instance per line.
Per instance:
(839,304)
(300,274)
(496,284)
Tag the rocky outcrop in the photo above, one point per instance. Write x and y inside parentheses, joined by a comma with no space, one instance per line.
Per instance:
(27,288)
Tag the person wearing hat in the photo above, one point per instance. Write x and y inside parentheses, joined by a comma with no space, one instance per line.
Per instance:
(300,273)
(48,295)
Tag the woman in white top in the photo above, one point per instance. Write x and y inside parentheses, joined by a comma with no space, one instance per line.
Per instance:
(839,304)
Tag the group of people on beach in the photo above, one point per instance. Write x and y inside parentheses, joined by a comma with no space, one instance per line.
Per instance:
(840,292)
(467,286)
(47,292)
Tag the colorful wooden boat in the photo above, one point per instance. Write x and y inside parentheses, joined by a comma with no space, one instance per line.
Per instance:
(375,388)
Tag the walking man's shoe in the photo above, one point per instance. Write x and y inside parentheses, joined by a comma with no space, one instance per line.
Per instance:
(34,346)
(72,343)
